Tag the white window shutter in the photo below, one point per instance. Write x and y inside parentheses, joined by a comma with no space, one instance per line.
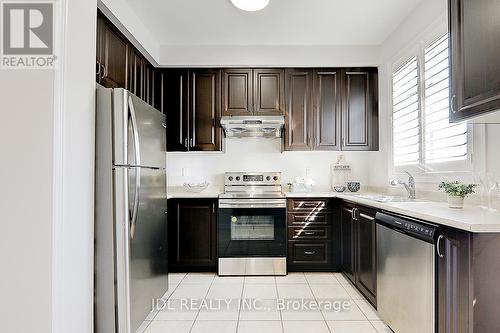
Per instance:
(406,114)
(443,142)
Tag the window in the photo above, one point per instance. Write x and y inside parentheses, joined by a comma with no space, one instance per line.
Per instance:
(423,138)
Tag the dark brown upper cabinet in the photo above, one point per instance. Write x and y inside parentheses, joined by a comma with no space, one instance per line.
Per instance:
(360,109)
(268,86)
(175,107)
(237,92)
(298,116)
(111,56)
(252,92)
(158,87)
(327,110)
(137,73)
(205,129)
(331,109)
(191,102)
(474,58)
(120,65)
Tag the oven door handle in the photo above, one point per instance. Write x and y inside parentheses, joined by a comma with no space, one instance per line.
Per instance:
(249,203)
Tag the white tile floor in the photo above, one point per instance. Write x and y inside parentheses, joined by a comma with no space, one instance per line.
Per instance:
(358,317)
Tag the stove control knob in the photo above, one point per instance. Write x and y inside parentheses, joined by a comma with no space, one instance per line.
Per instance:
(275,178)
(268,178)
(237,178)
(230,178)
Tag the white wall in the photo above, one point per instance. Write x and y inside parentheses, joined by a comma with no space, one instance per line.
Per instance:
(269,56)
(26,105)
(46,175)
(263,155)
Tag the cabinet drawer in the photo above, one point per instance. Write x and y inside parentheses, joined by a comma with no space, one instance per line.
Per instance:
(307,205)
(299,233)
(300,219)
(309,253)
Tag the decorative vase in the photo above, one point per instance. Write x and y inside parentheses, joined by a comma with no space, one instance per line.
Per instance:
(455,202)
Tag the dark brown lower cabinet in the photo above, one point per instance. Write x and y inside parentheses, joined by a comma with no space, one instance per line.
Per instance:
(467,281)
(311,245)
(358,248)
(366,253)
(347,241)
(453,281)
(192,228)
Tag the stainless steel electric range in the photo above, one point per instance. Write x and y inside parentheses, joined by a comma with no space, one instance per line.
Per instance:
(252,224)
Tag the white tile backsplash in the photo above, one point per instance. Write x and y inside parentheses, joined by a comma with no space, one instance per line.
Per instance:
(263,155)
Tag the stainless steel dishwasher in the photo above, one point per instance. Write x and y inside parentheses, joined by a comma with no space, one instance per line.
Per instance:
(406,273)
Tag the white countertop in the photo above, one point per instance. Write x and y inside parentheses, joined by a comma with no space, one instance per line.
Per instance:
(470,218)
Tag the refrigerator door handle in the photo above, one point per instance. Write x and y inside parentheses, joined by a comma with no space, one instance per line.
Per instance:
(133,218)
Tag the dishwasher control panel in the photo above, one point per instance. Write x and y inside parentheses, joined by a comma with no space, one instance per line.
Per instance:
(422,230)
(419,228)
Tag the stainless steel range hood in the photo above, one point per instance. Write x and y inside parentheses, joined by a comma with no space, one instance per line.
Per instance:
(253,126)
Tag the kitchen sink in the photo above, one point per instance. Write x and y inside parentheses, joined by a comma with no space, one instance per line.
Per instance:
(385,198)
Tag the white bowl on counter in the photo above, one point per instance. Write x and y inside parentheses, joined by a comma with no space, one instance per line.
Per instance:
(195,187)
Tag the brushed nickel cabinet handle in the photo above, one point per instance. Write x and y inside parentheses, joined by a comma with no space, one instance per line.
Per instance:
(309,233)
(438,248)
(310,253)
(452,102)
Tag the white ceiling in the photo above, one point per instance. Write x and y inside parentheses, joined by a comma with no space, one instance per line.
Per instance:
(283,22)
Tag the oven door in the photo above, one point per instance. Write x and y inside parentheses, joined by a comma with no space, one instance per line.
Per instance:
(251,231)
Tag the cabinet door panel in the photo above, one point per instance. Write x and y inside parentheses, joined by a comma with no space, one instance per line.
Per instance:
(268,91)
(237,92)
(347,242)
(366,275)
(298,110)
(192,235)
(114,57)
(475,61)
(205,110)
(453,282)
(360,110)
(158,88)
(327,110)
(136,69)
(175,107)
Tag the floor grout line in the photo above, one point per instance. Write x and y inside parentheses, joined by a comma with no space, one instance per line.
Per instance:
(279,311)
(240,301)
(314,296)
(204,297)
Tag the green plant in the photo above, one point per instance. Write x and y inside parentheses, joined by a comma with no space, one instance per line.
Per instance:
(457,189)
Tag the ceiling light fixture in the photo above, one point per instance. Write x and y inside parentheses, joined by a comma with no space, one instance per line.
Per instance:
(250,5)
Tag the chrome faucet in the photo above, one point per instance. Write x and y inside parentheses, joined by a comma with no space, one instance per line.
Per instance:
(410,187)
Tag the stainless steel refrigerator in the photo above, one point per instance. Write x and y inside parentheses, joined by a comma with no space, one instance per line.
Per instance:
(130,210)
